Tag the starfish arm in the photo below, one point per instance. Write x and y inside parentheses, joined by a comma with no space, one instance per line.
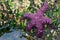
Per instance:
(27,15)
(39,33)
(39,30)
(29,27)
(48,20)
(43,8)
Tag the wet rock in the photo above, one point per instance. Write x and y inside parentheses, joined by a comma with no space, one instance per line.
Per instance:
(15,35)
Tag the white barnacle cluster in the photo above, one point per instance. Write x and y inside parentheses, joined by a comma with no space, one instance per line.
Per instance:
(38,2)
(25,3)
(51,2)
(21,5)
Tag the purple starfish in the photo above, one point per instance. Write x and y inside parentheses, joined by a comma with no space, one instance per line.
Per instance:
(38,20)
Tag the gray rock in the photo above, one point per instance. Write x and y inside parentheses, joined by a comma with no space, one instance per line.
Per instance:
(15,35)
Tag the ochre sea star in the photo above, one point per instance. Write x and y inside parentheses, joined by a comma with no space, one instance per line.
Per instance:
(38,20)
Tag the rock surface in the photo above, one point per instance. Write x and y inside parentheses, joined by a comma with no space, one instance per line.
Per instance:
(15,35)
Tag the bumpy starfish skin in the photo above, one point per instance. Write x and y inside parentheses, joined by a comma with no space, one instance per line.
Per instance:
(38,20)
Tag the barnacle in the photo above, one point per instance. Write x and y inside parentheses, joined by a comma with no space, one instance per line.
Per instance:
(38,2)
